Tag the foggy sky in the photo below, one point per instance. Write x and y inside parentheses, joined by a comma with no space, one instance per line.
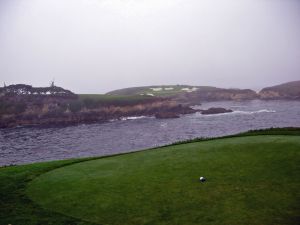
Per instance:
(93,46)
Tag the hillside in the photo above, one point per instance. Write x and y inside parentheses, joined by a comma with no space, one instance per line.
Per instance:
(216,94)
(290,90)
(189,94)
(197,94)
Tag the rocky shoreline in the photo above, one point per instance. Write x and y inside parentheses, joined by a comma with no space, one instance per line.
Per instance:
(56,106)
(212,111)
(105,114)
(26,105)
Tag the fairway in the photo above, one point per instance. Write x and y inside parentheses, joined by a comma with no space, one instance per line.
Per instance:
(250,180)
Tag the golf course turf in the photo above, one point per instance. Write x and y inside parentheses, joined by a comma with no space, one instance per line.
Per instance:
(251,179)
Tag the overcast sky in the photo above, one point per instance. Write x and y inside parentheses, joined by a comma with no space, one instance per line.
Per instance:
(93,46)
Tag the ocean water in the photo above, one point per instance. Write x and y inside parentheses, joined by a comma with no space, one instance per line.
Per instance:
(35,144)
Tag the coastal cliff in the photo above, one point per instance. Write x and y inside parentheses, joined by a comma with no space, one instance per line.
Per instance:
(286,91)
(216,94)
(26,105)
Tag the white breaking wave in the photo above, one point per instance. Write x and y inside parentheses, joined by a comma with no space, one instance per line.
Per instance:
(129,118)
(134,117)
(254,112)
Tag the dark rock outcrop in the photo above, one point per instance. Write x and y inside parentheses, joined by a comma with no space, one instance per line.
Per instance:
(215,111)
(174,112)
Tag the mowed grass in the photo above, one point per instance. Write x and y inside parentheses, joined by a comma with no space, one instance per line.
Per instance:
(103,97)
(250,180)
(162,91)
(15,206)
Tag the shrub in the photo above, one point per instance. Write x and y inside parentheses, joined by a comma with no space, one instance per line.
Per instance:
(20,108)
(75,106)
(90,103)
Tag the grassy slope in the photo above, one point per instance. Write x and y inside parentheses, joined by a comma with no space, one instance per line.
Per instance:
(266,193)
(103,97)
(113,99)
(147,90)
(247,183)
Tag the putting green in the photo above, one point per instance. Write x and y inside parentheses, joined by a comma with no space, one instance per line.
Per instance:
(250,180)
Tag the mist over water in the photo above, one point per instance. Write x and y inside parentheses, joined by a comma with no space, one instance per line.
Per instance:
(34,144)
